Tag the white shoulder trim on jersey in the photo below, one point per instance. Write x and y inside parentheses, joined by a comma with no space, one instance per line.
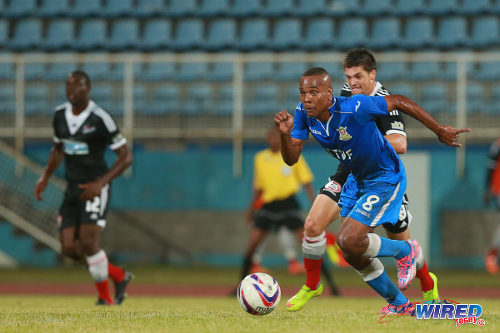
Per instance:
(346,87)
(61,106)
(106,118)
(56,139)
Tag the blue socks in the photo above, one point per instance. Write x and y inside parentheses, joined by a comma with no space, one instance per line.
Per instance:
(393,248)
(386,288)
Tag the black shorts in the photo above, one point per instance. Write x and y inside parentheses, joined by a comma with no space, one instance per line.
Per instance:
(74,212)
(333,188)
(279,213)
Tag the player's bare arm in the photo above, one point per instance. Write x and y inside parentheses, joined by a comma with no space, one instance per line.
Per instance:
(123,161)
(398,142)
(55,157)
(291,148)
(446,134)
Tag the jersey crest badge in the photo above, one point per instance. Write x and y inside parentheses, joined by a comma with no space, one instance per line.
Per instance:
(398,125)
(344,136)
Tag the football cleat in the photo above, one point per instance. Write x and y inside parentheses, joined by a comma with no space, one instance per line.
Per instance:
(298,301)
(407,265)
(120,287)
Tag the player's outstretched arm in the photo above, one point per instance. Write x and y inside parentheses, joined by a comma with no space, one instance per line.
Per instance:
(55,157)
(446,134)
(291,148)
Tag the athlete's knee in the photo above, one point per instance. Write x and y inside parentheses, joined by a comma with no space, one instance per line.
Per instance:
(89,246)
(350,244)
(69,250)
(313,227)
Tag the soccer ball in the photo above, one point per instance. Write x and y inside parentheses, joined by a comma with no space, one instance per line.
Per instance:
(259,293)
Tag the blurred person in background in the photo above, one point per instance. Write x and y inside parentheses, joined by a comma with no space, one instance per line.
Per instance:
(274,204)
(373,192)
(492,194)
(82,132)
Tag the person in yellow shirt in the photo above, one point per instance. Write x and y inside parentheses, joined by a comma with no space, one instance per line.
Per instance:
(274,203)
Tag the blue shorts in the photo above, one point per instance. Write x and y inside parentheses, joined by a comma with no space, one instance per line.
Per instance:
(375,204)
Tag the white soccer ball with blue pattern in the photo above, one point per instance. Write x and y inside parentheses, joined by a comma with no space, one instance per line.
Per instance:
(259,294)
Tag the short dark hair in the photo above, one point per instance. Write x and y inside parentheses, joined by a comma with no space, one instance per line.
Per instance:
(316,71)
(360,57)
(81,75)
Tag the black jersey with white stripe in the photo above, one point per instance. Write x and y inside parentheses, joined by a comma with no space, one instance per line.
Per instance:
(393,122)
(85,138)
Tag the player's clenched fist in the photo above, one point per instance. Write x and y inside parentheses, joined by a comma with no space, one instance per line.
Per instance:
(284,122)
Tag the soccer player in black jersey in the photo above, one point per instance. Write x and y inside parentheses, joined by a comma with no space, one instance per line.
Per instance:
(360,72)
(82,131)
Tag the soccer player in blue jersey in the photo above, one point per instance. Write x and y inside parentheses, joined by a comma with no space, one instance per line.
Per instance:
(373,192)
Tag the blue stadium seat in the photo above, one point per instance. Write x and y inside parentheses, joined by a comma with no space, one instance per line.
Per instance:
(54,8)
(264,100)
(441,7)
(20,9)
(7,71)
(409,7)
(86,8)
(245,8)
(423,71)
(290,71)
(352,33)
(213,8)
(311,8)
(102,94)
(222,71)
(493,107)
(149,8)
(157,71)
(488,70)
(92,35)
(434,98)
(292,96)
(342,8)
(418,33)
(181,8)
(452,33)
(257,71)
(475,7)
(189,35)
(7,98)
(27,35)
(140,98)
(485,33)
(4,32)
(60,71)
(320,34)
(34,71)
(279,8)
(156,36)
(198,99)
(221,35)
(165,100)
(335,69)
(475,98)
(117,8)
(223,101)
(60,35)
(124,35)
(386,33)
(404,89)
(376,8)
(254,35)
(97,70)
(287,34)
(36,100)
(192,71)
(391,71)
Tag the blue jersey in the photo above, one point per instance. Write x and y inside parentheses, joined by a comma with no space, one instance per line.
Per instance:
(351,135)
